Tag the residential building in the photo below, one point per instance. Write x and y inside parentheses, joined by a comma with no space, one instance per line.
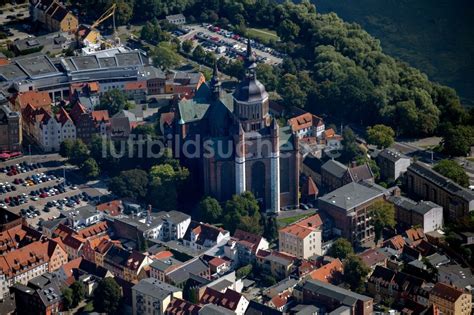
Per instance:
(374,257)
(83,216)
(82,117)
(335,174)
(46,129)
(123,123)
(424,183)
(151,296)
(163,225)
(128,265)
(243,246)
(280,265)
(307,125)
(177,19)
(400,286)
(450,300)
(333,140)
(101,122)
(311,167)
(333,297)
(86,93)
(37,99)
(303,238)
(179,306)
(10,130)
(136,91)
(329,273)
(53,16)
(197,268)
(202,235)
(410,213)
(43,300)
(230,299)
(30,261)
(349,207)
(392,164)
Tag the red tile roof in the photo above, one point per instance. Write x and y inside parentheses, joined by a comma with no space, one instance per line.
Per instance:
(230,299)
(327,272)
(62,116)
(303,228)
(34,98)
(100,115)
(113,207)
(281,299)
(372,257)
(182,307)
(217,262)
(415,234)
(304,121)
(397,242)
(139,85)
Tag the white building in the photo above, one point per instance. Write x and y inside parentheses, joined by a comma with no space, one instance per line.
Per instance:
(151,296)
(410,213)
(201,235)
(303,238)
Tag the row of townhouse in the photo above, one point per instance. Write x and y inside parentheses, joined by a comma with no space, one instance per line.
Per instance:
(53,16)
(49,130)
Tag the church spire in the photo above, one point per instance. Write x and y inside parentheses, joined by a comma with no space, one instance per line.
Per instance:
(215,82)
(250,61)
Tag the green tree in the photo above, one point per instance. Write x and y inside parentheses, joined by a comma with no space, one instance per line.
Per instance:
(355,272)
(243,212)
(131,183)
(243,272)
(114,101)
(457,141)
(90,169)
(65,149)
(291,92)
(198,53)
(78,292)
(383,215)
(165,56)
(451,169)
(79,152)
(380,135)
(165,181)
(210,210)
(350,150)
(107,296)
(266,74)
(341,248)
(187,46)
(68,298)
(270,228)
(144,130)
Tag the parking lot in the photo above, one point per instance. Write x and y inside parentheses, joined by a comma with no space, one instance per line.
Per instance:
(34,187)
(11,24)
(231,46)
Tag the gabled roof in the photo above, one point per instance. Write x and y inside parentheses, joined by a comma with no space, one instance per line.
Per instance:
(100,116)
(113,207)
(396,242)
(182,307)
(62,116)
(303,228)
(446,292)
(335,168)
(248,239)
(36,99)
(230,299)
(361,172)
(309,188)
(372,257)
(205,232)
(415,234)
(327,272)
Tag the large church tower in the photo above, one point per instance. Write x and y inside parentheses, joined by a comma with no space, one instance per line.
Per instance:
(257,158)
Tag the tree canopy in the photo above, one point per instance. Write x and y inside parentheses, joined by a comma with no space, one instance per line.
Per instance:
(341,248)
(380,135)
(451,169)
(243,212)
(210,210)
(114,101)
(131,183)
(355,272)
(383,215)
(107,296)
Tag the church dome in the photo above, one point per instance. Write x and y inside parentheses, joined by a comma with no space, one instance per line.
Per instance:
(250,90)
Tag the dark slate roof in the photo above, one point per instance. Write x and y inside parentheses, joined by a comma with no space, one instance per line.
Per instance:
(421,207)
(155,288)
(392,155)
(313,163)
(382,273)
(250,90)
(207,232)
(350,196)
(335,168)
(361,172)
(182,274)
(441,181)
(346,297)
(256,308)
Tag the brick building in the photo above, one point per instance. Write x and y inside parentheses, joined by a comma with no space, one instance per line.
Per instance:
(349,207)
(424,183)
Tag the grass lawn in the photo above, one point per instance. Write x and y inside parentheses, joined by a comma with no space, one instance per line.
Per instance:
(290,220)
(263,34)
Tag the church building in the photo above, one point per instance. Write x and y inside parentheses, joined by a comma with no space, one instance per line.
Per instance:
(232,144)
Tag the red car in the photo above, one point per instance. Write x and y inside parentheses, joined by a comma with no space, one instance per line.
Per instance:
(43,195)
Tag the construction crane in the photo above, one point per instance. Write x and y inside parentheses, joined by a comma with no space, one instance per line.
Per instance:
(110,12)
